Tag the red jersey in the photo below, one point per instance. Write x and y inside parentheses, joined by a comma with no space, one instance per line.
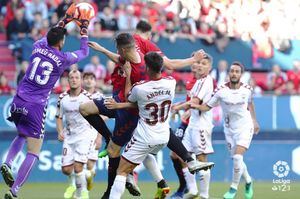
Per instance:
(145,45)
(118,79)
(188,86)
(294,77)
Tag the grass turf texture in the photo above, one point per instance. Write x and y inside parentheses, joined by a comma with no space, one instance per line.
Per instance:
(262,190)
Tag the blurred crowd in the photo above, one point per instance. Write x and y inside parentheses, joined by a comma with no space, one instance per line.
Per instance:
(267,24)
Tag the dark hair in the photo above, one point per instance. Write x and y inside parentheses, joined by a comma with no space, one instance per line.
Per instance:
(55,35)
(125,40)
(88,74)
(143,26)
(240,65)
(154,61)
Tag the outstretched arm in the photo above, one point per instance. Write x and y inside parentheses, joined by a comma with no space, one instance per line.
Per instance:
(201,107)
(174,64)
(112,56)
(112,104)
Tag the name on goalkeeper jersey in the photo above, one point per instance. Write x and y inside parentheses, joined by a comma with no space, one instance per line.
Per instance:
(48,54)
(158,93)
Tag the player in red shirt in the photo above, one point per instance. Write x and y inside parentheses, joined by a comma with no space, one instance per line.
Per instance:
(125,120)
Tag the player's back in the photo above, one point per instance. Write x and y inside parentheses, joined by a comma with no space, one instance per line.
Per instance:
(154,99)
(46,66)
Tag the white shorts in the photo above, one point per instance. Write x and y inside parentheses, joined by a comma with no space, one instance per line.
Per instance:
(241,138)
(198,141)
(136,151)
(77,151)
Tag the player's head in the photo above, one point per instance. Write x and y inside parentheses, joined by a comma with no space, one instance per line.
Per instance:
(89,80)
(144,29)
(74,79)
(205,65)
(125,44)
(56,37)
(195,66)
(154,63)
(235,72)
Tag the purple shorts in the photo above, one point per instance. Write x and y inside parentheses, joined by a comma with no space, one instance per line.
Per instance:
(29,118)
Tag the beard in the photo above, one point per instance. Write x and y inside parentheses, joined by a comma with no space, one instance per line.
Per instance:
(234,81)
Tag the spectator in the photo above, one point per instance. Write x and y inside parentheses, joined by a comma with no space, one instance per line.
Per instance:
(62,8)
(206,33)
(5,89)
(294,75)
(96,67)
(220,74)
(221,37)
(18,27)
(276,79)
(11,8)
(127,20)
(257,91)
(287,89)
(98,32)
(24,66)
(108,20)
(38,21)
(63,85)
(36,6)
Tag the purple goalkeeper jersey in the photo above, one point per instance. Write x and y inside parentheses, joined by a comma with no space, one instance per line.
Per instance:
(46,66)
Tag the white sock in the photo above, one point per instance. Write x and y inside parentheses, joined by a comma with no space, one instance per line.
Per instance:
(80,183)
(71,179)
(238,170)
(190,181)
(204,177)
(118,187)
(246,175)
(152,166)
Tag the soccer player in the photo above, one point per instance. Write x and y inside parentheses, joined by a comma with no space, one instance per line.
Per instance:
(177,164)
(89,84)
(28,109)
(153,98)
(126,120)
(78,135)
(197,137)
(240,123)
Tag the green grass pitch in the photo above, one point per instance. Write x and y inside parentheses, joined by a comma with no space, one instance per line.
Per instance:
(55,191)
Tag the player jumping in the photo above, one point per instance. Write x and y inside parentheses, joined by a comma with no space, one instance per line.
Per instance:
(28,109)
(153,98)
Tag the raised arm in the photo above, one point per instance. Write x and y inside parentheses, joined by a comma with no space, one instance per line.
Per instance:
(174,64)
(112,56)
(128,84)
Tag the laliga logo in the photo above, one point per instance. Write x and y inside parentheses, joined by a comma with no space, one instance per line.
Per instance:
(281,169)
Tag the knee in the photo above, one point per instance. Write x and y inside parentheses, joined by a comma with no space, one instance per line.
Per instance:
(67,170)
(237,160)
(78,167)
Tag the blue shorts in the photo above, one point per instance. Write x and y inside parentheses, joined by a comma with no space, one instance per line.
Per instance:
(125,121)
(28,117)
(181,130)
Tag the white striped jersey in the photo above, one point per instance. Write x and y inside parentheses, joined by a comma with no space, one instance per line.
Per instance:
(76,127)
(203,90)
(234,103)
(154,99)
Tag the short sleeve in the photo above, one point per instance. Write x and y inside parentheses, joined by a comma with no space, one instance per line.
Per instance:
(201,87)
(133,94)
